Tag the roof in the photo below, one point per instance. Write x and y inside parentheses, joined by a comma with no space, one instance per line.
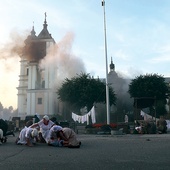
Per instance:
(44,34)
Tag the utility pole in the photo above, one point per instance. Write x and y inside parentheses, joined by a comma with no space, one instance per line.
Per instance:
(107,86)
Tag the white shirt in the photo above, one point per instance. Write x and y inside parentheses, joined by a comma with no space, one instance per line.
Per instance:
(24,134)
(44,129)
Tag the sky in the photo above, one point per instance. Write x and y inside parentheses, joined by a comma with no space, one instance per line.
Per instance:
(137,33)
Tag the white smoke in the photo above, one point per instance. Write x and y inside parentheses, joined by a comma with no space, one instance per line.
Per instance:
(60,56)
(9,67)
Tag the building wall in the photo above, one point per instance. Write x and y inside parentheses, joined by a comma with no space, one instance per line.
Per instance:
(36,84)
(39,106)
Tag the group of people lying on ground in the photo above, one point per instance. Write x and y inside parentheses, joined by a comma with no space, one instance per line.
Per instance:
(149,126)
(46,131)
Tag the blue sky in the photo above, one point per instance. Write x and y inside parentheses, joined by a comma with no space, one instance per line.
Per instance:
(138,36)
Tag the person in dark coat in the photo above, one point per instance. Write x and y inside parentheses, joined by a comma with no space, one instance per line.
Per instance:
(162,125)
(3,126)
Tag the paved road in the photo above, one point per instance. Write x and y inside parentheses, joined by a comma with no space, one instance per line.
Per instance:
(98,152)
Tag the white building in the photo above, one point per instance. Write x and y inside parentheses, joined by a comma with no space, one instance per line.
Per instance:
(35,90)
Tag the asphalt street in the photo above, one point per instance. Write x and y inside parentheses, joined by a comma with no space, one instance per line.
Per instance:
(97,152)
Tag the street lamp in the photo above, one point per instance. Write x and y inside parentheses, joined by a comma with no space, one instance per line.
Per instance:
(107,86)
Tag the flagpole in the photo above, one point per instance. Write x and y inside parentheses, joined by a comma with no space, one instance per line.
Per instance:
(107,86)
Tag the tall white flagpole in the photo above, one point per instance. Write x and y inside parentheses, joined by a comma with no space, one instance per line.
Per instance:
(107,86)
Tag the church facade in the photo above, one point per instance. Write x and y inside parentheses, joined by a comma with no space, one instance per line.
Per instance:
(35,91)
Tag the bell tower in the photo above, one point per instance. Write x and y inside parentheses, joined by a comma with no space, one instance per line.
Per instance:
(35,90)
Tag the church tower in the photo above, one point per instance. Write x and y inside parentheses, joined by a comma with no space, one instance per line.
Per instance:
(112,73)
(35,90)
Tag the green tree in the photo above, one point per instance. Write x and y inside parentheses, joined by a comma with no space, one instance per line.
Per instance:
(82,90)
(149,86)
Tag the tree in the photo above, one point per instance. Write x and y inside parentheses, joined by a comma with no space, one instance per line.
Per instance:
(148,88)
(82,90)
(1,107)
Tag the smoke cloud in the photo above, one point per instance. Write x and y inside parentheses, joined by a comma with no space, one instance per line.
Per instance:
(9,68)
(60,55)
(34,50)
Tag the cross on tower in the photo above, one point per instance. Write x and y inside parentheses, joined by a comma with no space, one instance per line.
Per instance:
(45,15)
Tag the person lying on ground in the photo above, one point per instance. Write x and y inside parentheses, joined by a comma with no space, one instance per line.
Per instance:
(53,138)
(66,134)
(71,136)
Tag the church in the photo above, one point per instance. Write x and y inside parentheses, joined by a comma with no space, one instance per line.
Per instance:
(35,91)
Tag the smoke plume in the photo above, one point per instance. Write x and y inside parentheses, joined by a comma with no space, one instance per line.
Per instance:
(61,57)
(10,53)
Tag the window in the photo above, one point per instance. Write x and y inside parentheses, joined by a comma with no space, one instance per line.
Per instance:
(39,100)
(27,71)
(43,84)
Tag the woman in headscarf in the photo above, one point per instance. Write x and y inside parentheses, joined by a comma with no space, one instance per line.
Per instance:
(27,136)
(44,125)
